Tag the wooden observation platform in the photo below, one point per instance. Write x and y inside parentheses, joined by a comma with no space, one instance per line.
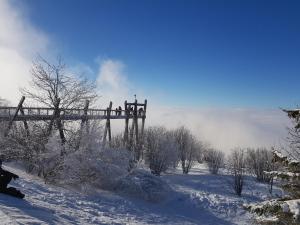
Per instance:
(133,111)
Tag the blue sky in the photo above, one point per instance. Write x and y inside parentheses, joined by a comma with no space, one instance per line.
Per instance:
(233,63)
(228,53)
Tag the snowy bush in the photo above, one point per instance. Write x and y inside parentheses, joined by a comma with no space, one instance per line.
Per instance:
(236,163)
(117,141)
(143,185)
(87,162)
(160,149)
(214,160)
(188,148)
(276,211)
(101,168)
(260,160)
(19,146)
(50,161)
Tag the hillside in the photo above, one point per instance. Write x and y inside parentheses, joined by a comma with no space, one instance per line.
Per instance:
(198,198)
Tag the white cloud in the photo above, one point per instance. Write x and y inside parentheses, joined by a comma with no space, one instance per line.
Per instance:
(224,128)
(111,74)
(112,82)
(20,41)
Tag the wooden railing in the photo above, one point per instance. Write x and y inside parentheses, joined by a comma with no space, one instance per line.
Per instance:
(56,115)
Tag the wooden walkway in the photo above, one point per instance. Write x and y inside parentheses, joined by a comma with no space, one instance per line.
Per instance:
(41,113)
(133,111)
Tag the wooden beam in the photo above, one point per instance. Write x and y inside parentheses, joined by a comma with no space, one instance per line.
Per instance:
(84,120)
(61,130)
(143,121)
(107,125)
(59,123)
(15,115)
(126,123)
(25,122)
(135,118)
(130,142)
(133,104)
(53,117)
(31,114)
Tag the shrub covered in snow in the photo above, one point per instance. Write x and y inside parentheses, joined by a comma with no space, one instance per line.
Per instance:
(188,147)
(161,151)
(101,169)
(276,211)
(214,160)
(260,160)
(89,164)
(18,146)
(85,162)
(236,163)
(141,184)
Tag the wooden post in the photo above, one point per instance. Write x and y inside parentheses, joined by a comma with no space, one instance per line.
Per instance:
(126,123)
(143,120)
(56,118)
(53,116)
(84,120)
(61,130)
(60,125)
(25,122)
(15,115)
(130,143)
(107,125)
(135,119)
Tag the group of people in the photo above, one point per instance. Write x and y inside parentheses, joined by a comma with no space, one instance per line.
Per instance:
(118,111)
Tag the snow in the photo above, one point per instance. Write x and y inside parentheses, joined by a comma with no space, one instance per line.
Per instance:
(263,208)
(294,207)
(282,174)
(278,154)
(196,198)
(143,185)
(267,219)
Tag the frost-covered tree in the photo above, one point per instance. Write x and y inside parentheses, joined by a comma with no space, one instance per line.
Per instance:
(293,151)
(236,164)
(214,160)
(284,210)
(258,161)
(160,149)
(188,148)
(52,82)
(289,157)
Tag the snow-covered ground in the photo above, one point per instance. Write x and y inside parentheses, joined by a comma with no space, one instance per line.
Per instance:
(198,198)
